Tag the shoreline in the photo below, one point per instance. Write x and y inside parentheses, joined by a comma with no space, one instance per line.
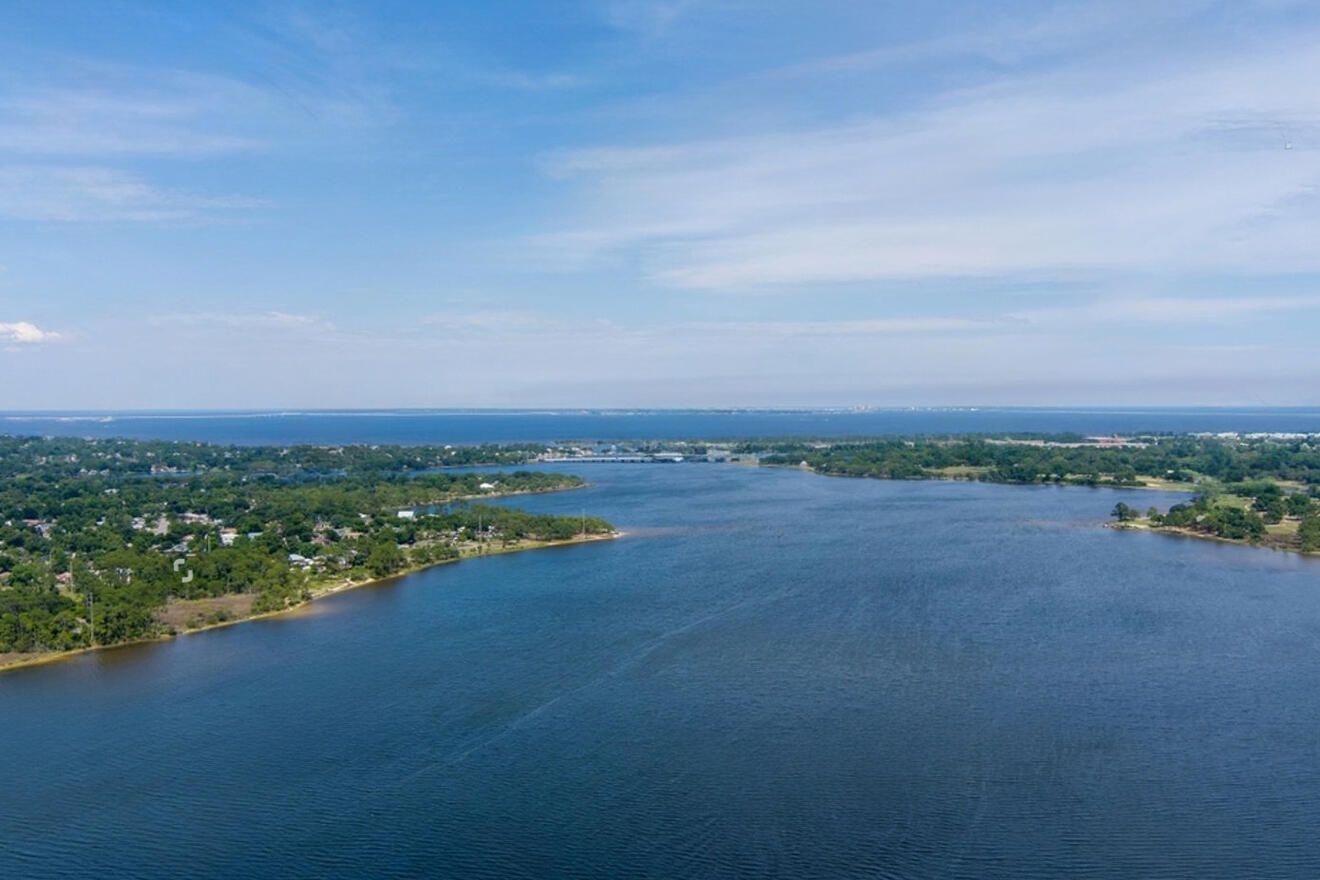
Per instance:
(1178,531)
(315,595)
(958,478)
(1122,526)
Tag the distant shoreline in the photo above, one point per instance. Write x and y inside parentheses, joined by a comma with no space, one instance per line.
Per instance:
(1149,484)
(44,657)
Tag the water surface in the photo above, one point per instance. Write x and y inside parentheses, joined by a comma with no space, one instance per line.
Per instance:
(775,674)
(544,426)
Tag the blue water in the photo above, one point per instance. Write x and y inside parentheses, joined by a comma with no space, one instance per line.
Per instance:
(469,427)
(774,675)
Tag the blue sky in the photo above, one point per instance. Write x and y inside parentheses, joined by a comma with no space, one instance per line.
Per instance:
(658,203)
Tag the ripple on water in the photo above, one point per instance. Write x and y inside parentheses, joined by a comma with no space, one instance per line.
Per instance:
(781,676)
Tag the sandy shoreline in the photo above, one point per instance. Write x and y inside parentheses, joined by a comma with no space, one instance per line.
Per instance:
(25,660)
(1192,533)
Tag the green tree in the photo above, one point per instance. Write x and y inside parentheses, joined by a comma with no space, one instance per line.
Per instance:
(1308,533)
(385,558)
(1299,505)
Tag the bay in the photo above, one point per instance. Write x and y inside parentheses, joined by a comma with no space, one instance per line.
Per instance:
(773,674)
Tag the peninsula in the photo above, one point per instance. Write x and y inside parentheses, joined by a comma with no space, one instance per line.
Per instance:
(106,542)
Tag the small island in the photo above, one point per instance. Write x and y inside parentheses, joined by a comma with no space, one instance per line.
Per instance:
(107,542)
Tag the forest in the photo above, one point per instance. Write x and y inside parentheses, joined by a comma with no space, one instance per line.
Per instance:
(1057,459)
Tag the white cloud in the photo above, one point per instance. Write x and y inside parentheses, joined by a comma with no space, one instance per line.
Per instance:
(1176,165)
(26,333)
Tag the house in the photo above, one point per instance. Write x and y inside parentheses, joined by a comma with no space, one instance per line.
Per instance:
(227,537)
(407,514)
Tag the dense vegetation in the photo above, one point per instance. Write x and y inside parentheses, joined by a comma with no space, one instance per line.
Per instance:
(71,456)
(1058,459)
(97,536)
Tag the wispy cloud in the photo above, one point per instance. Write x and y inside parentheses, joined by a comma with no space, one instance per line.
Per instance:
(1168,310)
(69,127)
(178,119)
(1178,164)
(536,82)
(90,193)
(62,146)
(1063,27)
(273,320)
(515,327)
(514,323)
(651,18)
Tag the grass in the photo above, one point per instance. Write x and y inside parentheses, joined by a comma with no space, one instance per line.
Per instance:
(962,470)
(1164,485)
